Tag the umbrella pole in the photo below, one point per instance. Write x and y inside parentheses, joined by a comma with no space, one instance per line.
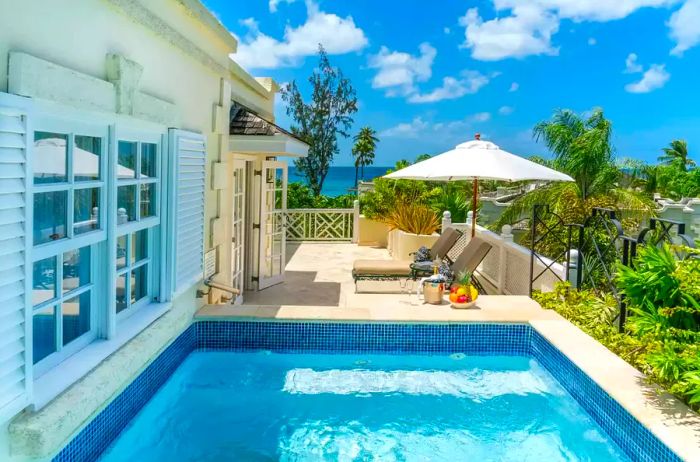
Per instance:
(475,192)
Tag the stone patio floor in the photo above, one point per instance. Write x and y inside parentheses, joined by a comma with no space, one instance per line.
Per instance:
(318,284)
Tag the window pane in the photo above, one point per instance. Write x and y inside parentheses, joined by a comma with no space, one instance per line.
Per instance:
(121,251)
(44,280)
(44,333)
(76,317)
(86,212)
(50,216)
(127,160)
(121,292)
(86,158)
(148,160)
(139,283)
(126,204)
(76,268)
(148,200)
(139,246)
(50,157)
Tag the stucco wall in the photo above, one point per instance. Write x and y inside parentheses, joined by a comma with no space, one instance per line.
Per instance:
(184,62)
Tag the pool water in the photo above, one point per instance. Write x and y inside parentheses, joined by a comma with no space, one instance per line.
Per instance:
(262,406)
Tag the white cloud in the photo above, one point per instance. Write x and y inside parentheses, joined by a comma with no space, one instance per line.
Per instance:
(412,129)
(592,41)
(525,28)
(527,31)
(506,110)
(685,27)
(654,78)
(631,64)
(399,72)
(338,36)
(514,87)
(452,88)
(419,128)
(274,3)
(447,31)
(588,10)
(481,117)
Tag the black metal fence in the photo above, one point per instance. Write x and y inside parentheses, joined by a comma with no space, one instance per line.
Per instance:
(590,251)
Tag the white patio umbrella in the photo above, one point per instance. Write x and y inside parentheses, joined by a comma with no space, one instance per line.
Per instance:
(478,160)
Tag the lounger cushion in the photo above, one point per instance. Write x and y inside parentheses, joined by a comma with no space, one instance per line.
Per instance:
(382,267)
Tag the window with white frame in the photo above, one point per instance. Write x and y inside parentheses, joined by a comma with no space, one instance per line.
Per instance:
(138,221)
(68,177)
(91,189)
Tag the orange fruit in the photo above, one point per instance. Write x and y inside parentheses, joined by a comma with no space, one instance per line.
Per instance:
(454,297)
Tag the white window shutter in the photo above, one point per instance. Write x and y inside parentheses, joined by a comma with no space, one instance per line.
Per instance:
(190,162)
(15,264)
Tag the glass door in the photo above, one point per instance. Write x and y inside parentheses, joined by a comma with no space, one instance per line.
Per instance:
(238,228)
(273,209)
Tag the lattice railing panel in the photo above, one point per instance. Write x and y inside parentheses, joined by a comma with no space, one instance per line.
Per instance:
(320,224)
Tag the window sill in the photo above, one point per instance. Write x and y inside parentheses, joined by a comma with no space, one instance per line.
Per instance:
(55,381)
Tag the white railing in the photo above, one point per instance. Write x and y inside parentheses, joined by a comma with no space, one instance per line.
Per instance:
(323,224)
(507,266)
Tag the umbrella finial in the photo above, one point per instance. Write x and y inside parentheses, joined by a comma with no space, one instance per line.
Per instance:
(477,136)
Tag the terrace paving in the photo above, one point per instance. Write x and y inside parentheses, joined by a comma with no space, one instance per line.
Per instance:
(319,285)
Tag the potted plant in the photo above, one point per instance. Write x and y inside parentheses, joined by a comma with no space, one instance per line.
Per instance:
(462,293)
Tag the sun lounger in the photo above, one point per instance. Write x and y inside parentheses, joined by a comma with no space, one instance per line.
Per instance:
(387,270)
(400,269)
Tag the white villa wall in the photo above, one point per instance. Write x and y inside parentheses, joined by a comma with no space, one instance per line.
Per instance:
(185,57)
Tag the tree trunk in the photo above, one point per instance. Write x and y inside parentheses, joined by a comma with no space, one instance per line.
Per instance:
(356,169)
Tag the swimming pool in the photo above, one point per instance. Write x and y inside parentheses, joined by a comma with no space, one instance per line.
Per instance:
(322,391)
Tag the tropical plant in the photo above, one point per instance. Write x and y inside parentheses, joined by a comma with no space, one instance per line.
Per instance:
(582,148)
(413,218)
(320,121)
(677,154)
(363,149)
(663,292)
(389,195)
(454,198)
(299,196)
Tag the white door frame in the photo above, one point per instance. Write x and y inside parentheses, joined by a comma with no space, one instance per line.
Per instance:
(238,225)
(273,227)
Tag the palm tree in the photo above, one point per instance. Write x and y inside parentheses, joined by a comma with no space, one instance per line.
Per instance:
(677,154)
(363,149)
(582,148)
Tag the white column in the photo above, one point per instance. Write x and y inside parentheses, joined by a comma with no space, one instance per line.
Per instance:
(573,267)
(506,236)
(356,221)
(446,220)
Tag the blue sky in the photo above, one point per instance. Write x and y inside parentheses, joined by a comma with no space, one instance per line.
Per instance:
(431,74)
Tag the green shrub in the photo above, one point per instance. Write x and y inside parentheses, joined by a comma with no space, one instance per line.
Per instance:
(300,196)
(662,337)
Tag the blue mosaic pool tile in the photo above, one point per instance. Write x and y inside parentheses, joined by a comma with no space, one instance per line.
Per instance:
(93,439)
(629,434)
(474,339)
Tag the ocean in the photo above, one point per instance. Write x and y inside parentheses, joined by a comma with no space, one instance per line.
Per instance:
(339,179)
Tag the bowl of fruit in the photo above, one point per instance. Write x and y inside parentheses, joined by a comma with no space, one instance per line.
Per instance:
(462,293)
